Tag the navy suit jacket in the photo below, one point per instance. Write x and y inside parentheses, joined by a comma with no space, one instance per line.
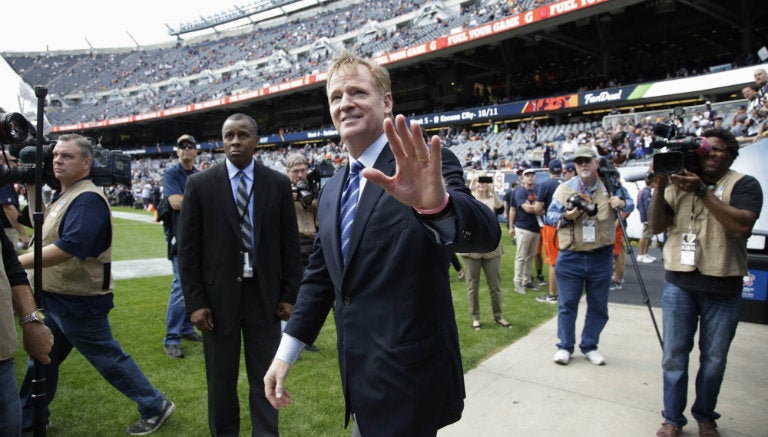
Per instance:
(398,344)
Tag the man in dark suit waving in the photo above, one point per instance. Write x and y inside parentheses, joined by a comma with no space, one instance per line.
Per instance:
(240,268)
(385,271)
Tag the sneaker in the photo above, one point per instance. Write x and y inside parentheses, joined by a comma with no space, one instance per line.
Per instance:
(595,358)
(148,426)
(541,282)
(562,356)
(708,428)
(616,285)
(194,336)
(174,351)
(531,286)
(460,274)
(547,298)
(520,289)
(668,430)
(646,259)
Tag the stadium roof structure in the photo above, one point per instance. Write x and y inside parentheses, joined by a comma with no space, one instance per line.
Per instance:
(253,12)
(543,57)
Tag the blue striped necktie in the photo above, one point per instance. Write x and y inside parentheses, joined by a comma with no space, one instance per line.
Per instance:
(349,205)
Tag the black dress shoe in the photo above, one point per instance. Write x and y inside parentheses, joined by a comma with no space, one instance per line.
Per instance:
(194,336)
(312,348)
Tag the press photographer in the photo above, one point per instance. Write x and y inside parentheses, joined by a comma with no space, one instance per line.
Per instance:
(708,216)
(586,254)
(305,191)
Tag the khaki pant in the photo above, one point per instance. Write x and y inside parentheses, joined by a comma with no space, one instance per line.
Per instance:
(527,242)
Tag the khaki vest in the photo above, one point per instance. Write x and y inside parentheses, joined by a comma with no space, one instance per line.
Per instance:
(306,220)
(718,253)
(8,339)
(570,234)
(74,277)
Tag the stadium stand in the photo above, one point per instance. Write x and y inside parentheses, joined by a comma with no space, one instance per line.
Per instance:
(107,84)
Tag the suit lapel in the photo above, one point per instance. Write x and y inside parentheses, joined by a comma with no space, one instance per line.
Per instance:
(261,189)
(225,198)
(370,197)
(332,191)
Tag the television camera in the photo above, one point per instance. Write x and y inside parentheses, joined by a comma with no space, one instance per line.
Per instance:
(109,167)
(684,152)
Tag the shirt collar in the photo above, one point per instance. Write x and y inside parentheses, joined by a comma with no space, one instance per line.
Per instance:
(232,170)
(371,154)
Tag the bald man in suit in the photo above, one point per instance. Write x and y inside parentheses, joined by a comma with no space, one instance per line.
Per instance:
(235,294)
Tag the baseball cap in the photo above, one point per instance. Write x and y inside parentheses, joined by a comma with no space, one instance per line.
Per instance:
(569,167)
(528,170)
(555,166)
(585,152)
(186,138)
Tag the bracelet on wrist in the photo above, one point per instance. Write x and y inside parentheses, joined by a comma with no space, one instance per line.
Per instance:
(435,210)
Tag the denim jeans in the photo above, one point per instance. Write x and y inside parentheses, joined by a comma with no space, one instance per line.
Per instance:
(92,337)
(177,321)
(717,318)
(576,272)
(10,408)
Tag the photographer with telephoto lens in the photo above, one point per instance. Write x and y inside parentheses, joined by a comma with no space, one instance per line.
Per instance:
(583,210)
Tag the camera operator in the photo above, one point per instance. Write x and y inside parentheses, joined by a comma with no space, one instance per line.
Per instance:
(76,259)
(583,211)
(305,201)
(708,217)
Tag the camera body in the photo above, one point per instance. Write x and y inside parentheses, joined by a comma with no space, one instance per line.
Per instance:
(307,191)
(304,193)
(684,152)
(576,201)
(109,167)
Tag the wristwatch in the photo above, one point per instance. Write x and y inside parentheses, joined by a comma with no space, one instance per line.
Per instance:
(37,316)
(702,191)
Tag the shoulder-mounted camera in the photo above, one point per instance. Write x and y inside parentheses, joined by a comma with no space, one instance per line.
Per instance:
(683,152)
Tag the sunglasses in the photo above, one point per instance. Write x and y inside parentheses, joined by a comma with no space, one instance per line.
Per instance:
(581,161)
(187,146)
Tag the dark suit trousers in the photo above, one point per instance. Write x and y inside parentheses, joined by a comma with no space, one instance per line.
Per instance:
(260,339)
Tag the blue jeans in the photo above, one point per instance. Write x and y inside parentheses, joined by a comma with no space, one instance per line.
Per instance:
(576,272)
(682,313)
(177,321)
(10,407)
(92,337)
